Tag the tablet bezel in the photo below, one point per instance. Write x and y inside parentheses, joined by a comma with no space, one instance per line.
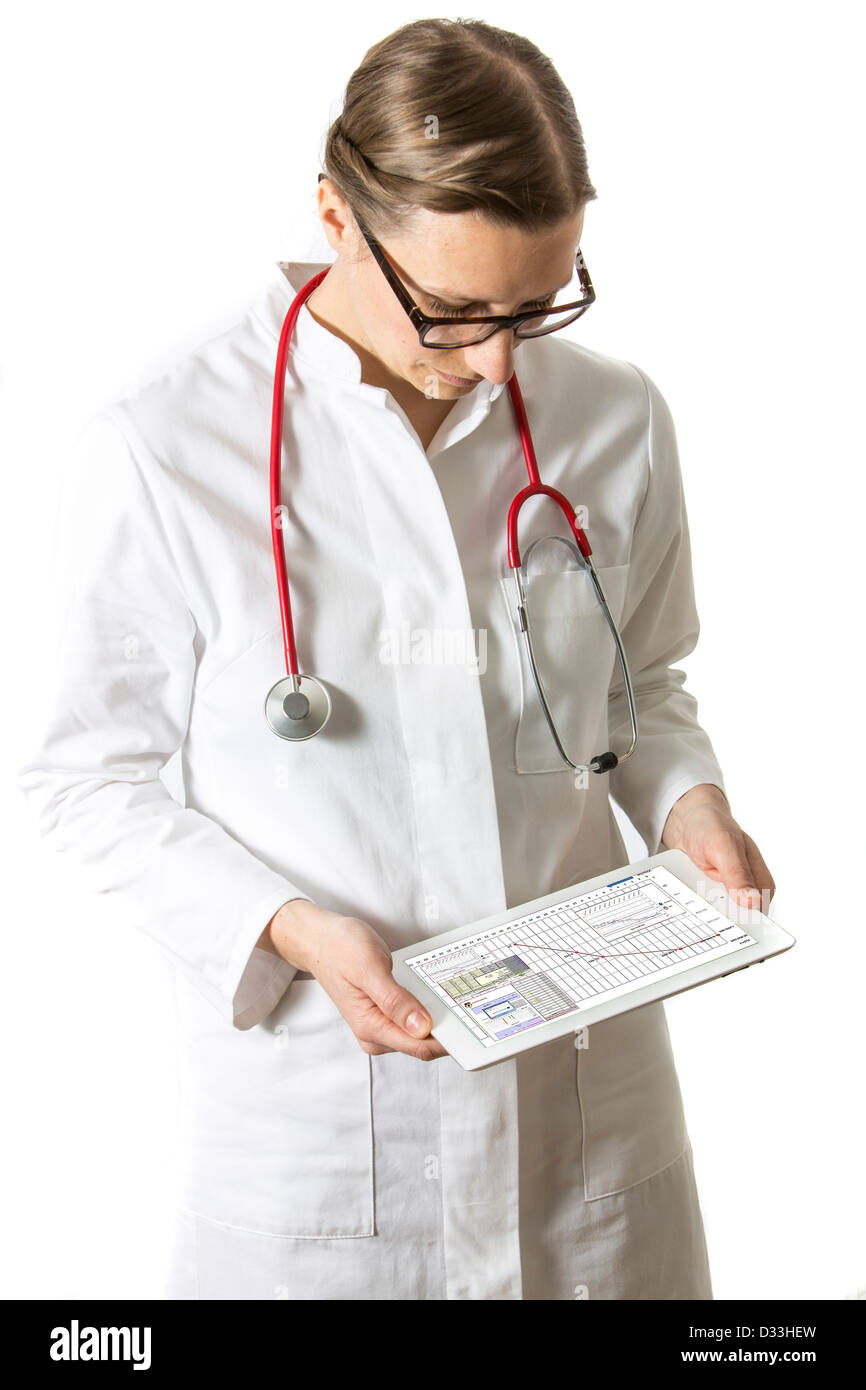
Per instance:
(455,1037)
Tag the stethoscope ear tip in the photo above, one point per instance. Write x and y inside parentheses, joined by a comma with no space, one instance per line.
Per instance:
(294,713)
(604,762)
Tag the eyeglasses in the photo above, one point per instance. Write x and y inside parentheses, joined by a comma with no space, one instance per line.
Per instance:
(458,331)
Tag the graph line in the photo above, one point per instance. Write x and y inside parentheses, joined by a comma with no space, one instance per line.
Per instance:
(605,955)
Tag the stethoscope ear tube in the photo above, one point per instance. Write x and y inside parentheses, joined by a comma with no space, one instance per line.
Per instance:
(626,675)
(601,762)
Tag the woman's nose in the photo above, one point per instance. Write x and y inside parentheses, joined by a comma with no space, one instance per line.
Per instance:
(494,358)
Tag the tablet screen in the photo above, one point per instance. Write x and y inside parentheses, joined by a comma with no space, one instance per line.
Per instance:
(583,951)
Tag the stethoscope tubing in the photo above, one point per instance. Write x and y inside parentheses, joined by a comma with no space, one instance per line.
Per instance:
(277,513)
(282,723)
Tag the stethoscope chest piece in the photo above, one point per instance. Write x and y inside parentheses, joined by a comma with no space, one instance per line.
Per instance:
(297,707)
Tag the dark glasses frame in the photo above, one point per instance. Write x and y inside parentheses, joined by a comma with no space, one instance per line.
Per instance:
(423,322)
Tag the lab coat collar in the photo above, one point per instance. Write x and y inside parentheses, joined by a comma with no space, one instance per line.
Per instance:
(316,351)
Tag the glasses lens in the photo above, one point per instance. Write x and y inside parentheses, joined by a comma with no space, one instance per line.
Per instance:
(457,334)
(549,322)
(556,316)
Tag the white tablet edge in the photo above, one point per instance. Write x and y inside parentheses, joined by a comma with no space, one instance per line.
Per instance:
(469,1053)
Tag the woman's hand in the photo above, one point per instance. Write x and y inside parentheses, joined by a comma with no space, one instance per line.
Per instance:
(701,825)
(353,965)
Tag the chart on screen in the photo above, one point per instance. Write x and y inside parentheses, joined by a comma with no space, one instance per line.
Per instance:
(582,951)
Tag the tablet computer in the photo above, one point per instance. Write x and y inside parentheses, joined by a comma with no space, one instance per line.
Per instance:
(555,965)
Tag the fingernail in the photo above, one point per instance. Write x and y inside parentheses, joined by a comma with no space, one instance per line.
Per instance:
(418,1024)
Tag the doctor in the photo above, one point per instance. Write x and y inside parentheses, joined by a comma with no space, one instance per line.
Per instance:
(331,1150)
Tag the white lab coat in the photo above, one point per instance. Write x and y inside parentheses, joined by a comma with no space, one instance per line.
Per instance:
(433,798)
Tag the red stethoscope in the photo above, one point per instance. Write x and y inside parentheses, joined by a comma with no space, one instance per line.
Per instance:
(298,705)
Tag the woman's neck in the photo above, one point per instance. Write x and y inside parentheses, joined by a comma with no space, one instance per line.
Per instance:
(330,308)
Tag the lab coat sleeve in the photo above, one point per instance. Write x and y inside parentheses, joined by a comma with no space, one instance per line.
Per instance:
(117,711)
(660,626)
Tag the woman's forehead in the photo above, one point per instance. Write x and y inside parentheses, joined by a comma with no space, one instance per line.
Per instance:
(460,256)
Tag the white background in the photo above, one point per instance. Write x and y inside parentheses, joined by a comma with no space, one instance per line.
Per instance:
(156,158)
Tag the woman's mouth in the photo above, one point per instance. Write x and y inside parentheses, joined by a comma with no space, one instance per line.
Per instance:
(458,380)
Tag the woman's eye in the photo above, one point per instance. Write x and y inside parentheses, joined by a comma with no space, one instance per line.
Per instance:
(445,310)
(448,311)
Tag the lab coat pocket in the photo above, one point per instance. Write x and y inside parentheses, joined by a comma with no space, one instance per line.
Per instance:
(576,656)
(281,1128)
(630,1101)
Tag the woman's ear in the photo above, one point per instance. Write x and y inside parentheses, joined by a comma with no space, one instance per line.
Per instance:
(338,222)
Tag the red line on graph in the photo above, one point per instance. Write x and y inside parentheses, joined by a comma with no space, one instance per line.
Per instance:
(604,955)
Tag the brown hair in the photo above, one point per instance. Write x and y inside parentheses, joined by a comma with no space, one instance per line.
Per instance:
(506,137)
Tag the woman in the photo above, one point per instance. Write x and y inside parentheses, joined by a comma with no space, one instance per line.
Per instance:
(325,1157)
